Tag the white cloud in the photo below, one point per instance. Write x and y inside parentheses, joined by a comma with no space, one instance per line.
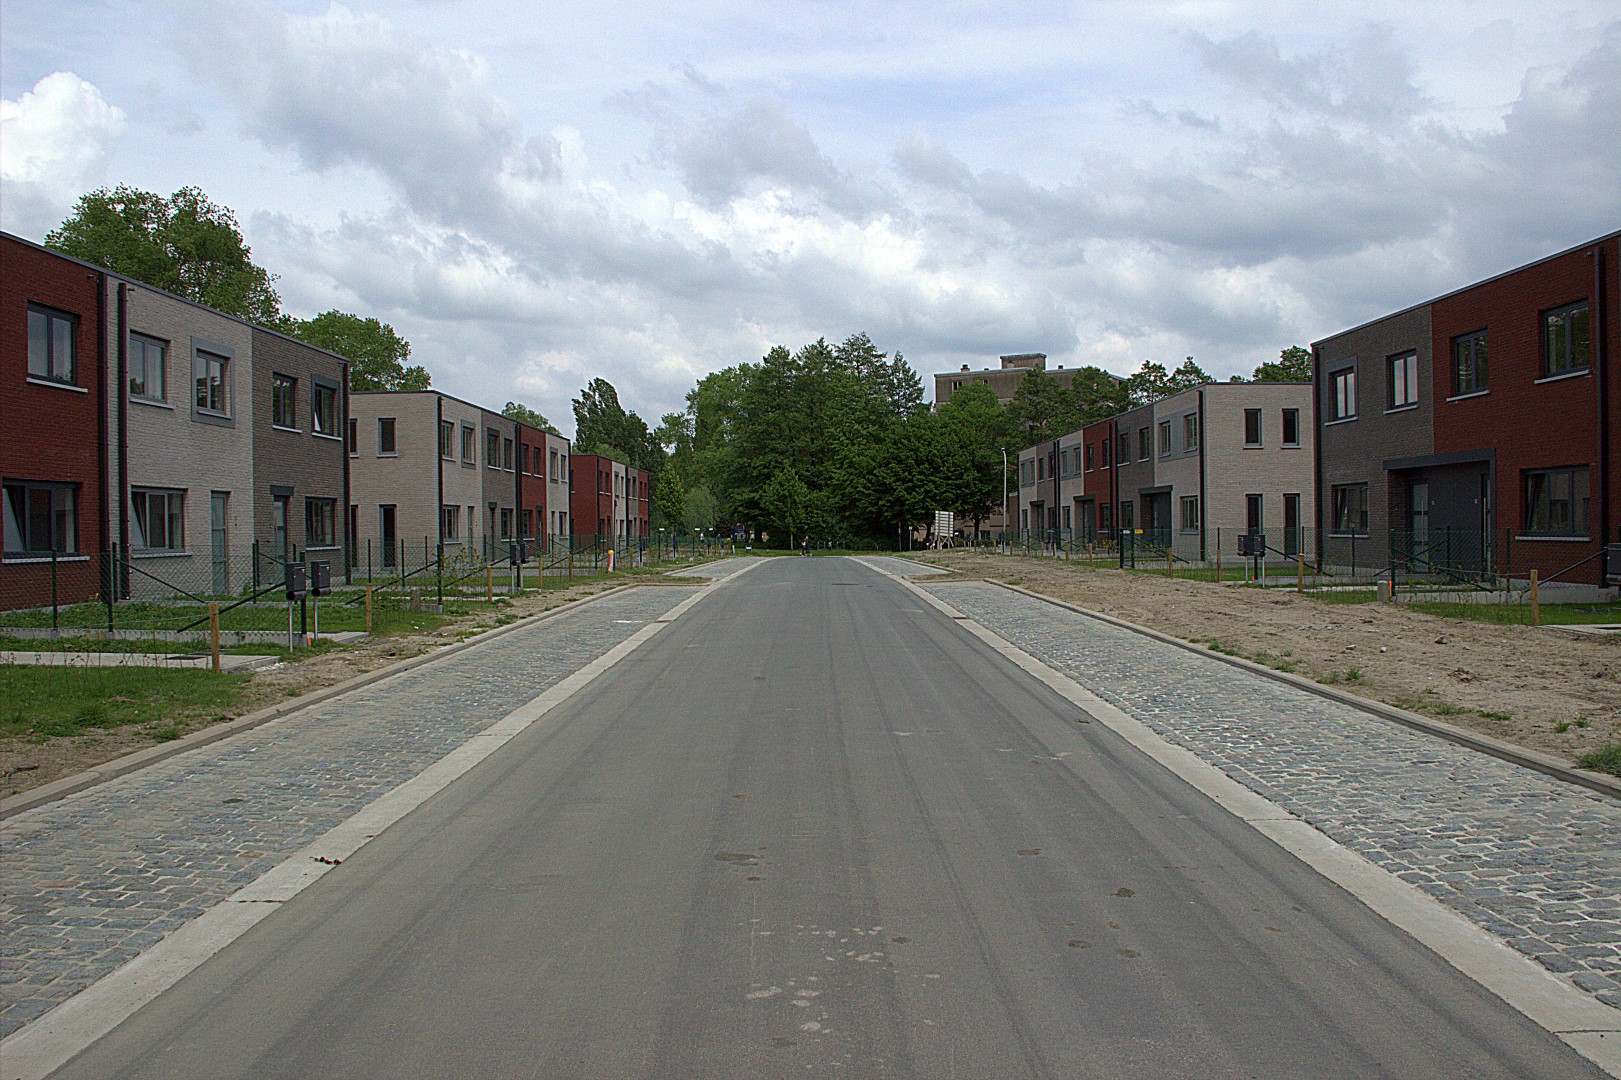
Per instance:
(53,145)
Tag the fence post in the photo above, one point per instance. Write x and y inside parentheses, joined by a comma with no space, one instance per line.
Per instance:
(1218,556)
(489,584)
(368,607)
(256,568)
(399,562)
(214,634)
(112,557)
(439,573)
(54,626)
(1300,571)
(1536,606)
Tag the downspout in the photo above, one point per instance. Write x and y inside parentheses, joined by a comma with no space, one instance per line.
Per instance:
(1601,365)
(348,534)
(123,420)
(103,492)
(1317,452)
(1204,504)
(439,508)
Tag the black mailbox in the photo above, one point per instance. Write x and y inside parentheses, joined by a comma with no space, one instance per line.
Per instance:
(1612,564)
(295,581)
(320,579)
(515,554)
(1252,544)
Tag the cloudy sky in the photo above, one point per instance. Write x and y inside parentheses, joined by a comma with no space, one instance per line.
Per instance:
(536,194)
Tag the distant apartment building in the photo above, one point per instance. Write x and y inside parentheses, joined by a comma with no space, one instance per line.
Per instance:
(53,464)
(608,498)
(1003,381)
(542,485)
(1187,472)
(1475,432)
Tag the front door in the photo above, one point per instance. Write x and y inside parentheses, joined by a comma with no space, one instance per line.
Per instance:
(1291,525)
(278,528)
(217,537)
(390,538)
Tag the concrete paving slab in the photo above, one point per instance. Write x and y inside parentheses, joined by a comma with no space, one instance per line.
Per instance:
(228,661)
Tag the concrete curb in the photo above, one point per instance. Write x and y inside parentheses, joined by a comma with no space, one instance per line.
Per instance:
(140,759)
(1518,755)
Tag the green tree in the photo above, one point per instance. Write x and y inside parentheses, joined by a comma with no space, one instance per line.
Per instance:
(670,496)
(1187,377)
(601,424)
(183,243)
(1043,408)
(786,501)
(376,354)
(514,410)
(975,430)
(1293,365)
(699,511)
(1097,395)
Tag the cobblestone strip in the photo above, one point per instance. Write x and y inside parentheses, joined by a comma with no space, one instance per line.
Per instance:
(906,568)
(90,882)
(1529,859)
(720,568)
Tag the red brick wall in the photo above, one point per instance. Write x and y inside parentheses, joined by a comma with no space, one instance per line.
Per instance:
(1095,438)
(47,432)
(591,499)
(532,487)
(1531,425)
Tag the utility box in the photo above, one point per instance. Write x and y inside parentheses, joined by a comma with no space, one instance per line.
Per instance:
(320,579)
(1612,564)
(515,554)
(1252,545)
(295,581)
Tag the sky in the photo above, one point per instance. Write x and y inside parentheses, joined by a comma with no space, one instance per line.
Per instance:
(536,195)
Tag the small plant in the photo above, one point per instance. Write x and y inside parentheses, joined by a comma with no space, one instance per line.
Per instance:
(166,733)
(1561,726)
(1503,716)
(1606,759)
(1353,675)
(1582,721)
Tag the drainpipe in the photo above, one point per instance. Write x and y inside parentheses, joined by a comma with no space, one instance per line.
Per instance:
(1317,452)
(1601,364)
(1204,504)
(349,561)
(123,419)
(438,426)
(103,494)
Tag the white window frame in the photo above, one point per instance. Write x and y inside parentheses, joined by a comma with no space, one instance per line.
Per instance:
(173,517)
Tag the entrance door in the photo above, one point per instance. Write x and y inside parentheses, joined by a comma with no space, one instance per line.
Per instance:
(217,537)
(1128,512)
(278,528)
(1252,514)
(1291,525)
(390,538)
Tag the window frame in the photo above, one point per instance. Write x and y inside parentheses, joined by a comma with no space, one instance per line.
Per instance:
(283,402)
(1404,364)
(388,447)
(1145,443)
(211,396)
(1580,510)
(1290,417)
(1164,429)
(59,519)
(492,448)
(447,440)
(1190,431)
(51,372)
(146,344)
(450,521)
(1342,394)
(1564,311)
(1253,415)
(313,504)
(469,444)
(324,424)
(1340,505)
(1478,368)
(1189,503)
(141,500)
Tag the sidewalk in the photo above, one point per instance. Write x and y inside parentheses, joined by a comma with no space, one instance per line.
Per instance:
(88,883)
(1534,861)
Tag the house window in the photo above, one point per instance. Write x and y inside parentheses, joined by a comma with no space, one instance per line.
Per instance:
(1144,443)
(1344,383)
(159,519)
(1164,437)
(52,344)
(1089,461)
(1125,447)
(1566,339)
(385,435)
(283,401)
(1350,509)
(324,410)
(1105,517)
(1403,380)
(320,523)
(1291,427)
(492,448)
(354,436)
(506,523)
(1190,431)
(1556,502)
(1041,472)
(447,439)
(1104,445)
(1252,427)
(469,442)
(450,524)
(1190,513)
(506,454)
(41,519)
(211,372)
(528,524)
(148,368)
(555,475)
(1469,363)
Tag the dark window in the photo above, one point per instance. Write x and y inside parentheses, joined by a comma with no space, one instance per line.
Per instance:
(1125,447)
(1469,363)
(284,401)
(447,439)
(159,519)
(1566,339)
(1403,380)
(1145,444)
(385,435)
(1088,459)
(1351,509)
(1164,437)
(1252,427)
(1291,427)
(211,372)
(147,368)
(1556,502)
(450,523)
(1190,513)
(1104,445)
(492,448)
(324,410)
(320,522)
(354,436)
(506,457)
(53,338)
(1343,382)
(469,437)
(1190,431)
(41,519)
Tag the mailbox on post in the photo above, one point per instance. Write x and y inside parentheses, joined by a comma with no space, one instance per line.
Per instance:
(320,579)
(295,581)
(1612,564)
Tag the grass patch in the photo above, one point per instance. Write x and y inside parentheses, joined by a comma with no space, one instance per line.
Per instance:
(1606,759)
(1502,716)
(63,702)
(1344,596)
(1520,614)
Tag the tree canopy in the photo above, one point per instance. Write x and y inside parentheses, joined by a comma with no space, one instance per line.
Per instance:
(514,410)
(376,354)
(1293,365)
(183,243)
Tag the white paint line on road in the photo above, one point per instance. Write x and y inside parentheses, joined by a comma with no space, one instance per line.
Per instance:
(1587,1025)
(49,1042)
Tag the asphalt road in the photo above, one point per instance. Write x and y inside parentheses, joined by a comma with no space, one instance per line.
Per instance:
(814,827)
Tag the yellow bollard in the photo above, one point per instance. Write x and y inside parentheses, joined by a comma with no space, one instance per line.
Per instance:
(1536,607)
(368,609)
(214,634)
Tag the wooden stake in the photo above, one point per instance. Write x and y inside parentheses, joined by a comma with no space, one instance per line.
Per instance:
(489,584)
(214,634)
(1536,606)
(368,609)
(1300,579)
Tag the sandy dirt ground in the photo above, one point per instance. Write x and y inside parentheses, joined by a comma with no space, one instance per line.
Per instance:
(1520,684)
(25,764)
